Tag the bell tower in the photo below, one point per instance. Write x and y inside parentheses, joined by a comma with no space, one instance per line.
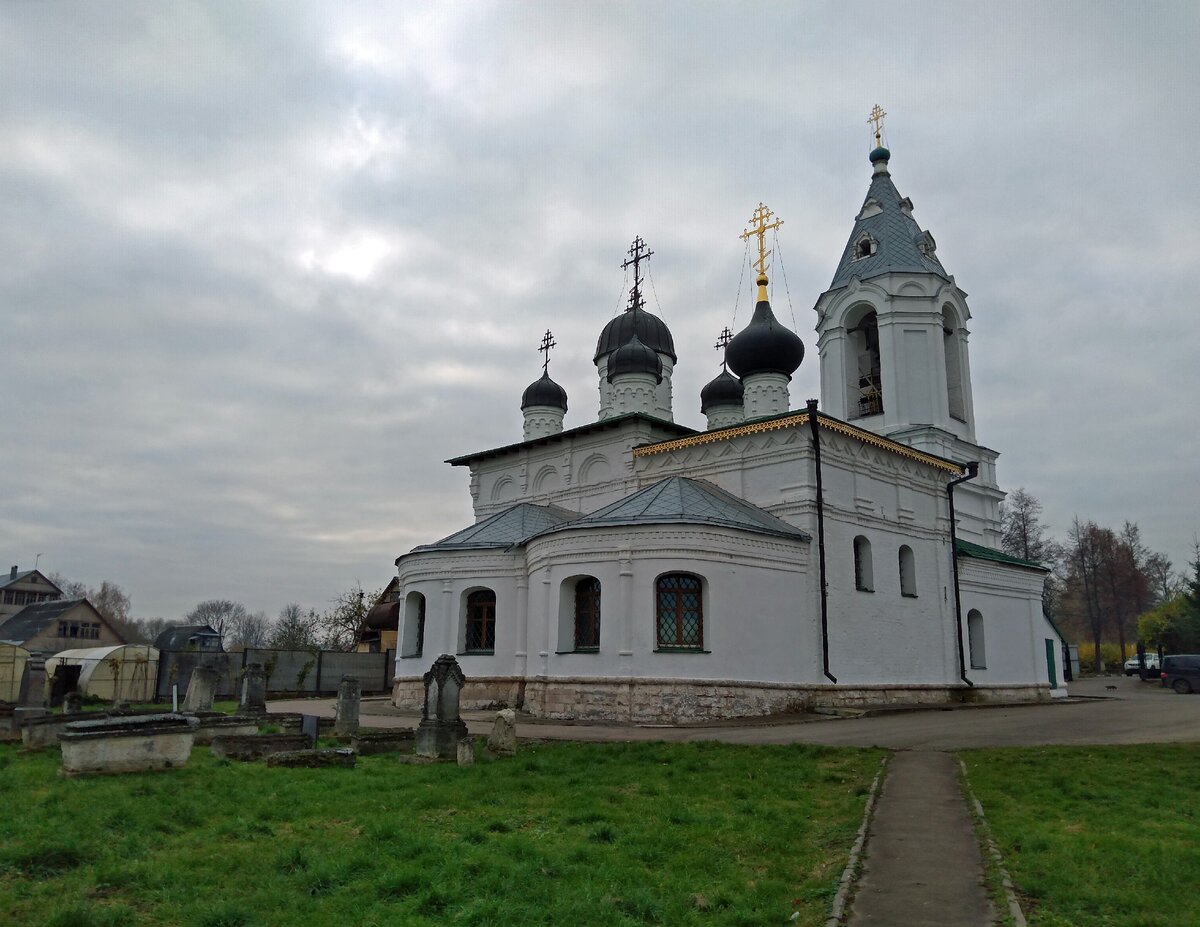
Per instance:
(892,340)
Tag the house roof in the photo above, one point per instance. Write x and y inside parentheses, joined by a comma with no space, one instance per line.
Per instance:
(682,500)
(33,618)
(511,526)
(8,579)
(603,425)
(967,549)
(887,218)
(177,636)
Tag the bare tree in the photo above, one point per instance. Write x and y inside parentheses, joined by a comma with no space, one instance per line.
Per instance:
(295,630)
(341,624)
(1164,584)
(1024,533)
(218,614)
(247,630)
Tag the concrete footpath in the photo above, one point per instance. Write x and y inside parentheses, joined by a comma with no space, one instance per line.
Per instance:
(922,865)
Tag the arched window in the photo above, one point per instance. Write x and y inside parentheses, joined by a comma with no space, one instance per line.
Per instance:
(414,625)
(864,578)
(481,622)
(864,367)
(587,614)
(908,572)
(975,642)
(680,611)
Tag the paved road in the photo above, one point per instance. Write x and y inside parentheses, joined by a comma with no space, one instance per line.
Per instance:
(1130,712)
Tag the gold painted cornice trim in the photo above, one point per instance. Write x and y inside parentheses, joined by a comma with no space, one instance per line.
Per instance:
(711,437)
(788,421)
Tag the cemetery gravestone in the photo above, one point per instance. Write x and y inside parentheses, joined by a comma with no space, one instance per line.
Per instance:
(441,728)
(503,739)
(348,701)
(202,689)
(254,690)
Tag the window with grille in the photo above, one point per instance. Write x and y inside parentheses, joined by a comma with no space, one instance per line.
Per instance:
(481,622)
(587,614)
(680,611)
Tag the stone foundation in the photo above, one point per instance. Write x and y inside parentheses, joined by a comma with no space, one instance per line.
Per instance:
(681,701)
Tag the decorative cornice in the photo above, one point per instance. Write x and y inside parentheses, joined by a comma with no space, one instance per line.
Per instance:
(722,434)
(789,421)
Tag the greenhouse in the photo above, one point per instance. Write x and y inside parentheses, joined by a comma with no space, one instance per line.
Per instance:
(12,666)
(124,673)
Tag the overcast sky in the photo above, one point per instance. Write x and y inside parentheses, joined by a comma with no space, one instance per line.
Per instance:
(266,265)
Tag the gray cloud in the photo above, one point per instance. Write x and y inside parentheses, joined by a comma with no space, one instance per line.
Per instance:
(267,266)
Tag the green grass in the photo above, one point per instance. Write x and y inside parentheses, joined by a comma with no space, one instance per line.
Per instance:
(562,834)
(1096,836)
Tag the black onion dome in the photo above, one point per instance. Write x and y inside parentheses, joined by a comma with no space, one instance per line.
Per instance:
(723,390)
(650,329)
(544,392)
(764,346)
(634,357)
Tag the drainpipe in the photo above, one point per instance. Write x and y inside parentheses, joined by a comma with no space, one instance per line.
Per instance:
(816,440)
(972,472)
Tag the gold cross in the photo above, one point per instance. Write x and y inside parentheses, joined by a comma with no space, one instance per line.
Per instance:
(876,117)
(760,224)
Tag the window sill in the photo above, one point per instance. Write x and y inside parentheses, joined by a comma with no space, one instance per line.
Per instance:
(589,650)
(681,650)
(410,656)
(908,595)
(872,591)
(476,653)
(974,667)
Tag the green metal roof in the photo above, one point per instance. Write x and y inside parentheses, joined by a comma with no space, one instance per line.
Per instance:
(967,549)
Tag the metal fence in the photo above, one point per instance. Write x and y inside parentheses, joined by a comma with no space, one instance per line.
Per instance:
(300,672)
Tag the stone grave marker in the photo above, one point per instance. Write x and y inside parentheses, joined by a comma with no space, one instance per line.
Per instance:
(349,699)
(33,683)
(441,728)
(503,739)
(202,689)
(310,727)
(466,751)
(254,690)
(72,703)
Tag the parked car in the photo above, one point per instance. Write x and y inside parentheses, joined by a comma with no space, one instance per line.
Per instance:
(1131,666)
(1181,672)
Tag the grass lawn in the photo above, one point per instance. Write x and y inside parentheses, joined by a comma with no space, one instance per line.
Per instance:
(562,834)
(1096,836)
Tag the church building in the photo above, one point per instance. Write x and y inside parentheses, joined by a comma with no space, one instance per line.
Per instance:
(786,557)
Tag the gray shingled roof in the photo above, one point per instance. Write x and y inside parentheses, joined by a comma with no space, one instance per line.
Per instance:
(895,235)
(684,501)
(178,636)
(8,579)
(32,618)
(512,526)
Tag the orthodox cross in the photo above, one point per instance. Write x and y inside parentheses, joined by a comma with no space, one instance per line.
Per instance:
(760,224)
(548,342)
(723,340)
(637,254)
(876,117)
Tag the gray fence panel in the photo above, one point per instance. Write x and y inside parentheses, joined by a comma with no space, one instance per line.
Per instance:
(288,670)
(175,668)
(305,672)
(370,669)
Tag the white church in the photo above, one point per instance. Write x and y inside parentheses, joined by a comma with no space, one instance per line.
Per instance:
(634,569)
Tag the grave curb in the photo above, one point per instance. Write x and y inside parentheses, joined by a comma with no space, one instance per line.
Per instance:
(985,832)
(837,911)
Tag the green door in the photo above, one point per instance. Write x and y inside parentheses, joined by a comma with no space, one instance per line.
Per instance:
(1051,664)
